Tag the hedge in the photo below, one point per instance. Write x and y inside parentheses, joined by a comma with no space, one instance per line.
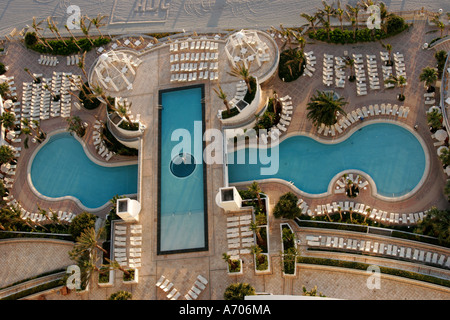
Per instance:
(40,288)
(59,48)
(395,25)
(364,266)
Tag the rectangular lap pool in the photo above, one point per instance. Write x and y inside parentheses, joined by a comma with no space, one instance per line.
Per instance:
(182,209)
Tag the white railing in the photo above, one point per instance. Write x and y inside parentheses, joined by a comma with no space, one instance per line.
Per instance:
(445,93)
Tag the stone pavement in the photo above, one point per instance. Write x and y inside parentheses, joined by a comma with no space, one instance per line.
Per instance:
(182,269)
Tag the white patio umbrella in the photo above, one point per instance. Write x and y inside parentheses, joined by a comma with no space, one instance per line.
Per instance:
(434,108)
(5,167)
(10,135)
(441,135)
(447,100)
(447,170)
(440,149)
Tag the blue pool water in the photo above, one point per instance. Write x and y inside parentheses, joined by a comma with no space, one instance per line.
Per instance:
(61,168)
(390,154)
(182,201)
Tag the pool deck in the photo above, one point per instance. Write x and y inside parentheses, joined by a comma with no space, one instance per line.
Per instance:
(182,269)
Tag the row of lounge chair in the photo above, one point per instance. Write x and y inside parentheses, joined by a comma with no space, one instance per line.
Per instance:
(194,45)
(310,63)
(399,62)
(99,144)
(121,239)
(73,60)
(194,57)
(48,60)
(197,288)
(239,236)
(189,67)
(342,182)
(193,76)
(372,71)
(373,213)
(166,285)
(328,67)
(378,248)
(275,132)
(360,113)
(361,87)
(429,98)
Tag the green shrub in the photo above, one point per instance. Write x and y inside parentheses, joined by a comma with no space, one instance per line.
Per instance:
(2,68)
(289,67)
(90,102)
(59,48)
(237,291)
(287,207)
(120,295)
(250,95)
(30,39)
(364,266)
(80,223)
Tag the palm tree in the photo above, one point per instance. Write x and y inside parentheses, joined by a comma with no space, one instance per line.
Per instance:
(237,291)
(350,211)
(350,17)
(340,213)
(255,188)
(52,27)
(339,13)
(85,252)
(255,228)
(122,110)
(434,119)
(388,47)
(350,63)
(36,80)
(398,81)
(242,72)
(447,189)
(439,24)
(37,28)
(286,35)
(85,29)
(429,76)
(4,89)
(445,156)
(74,40)
(295,58)
(8,119)
(97,22)
(6,154)
(222,95)
(49,89)
(368,211)
(75,125)
(311,19)
(227,258)
(323,108)
(328,10)
(299,41)
(436,223)
(353,16)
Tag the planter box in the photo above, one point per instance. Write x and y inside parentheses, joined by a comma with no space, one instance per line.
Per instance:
(282,247)
(266,271)
(136,277)
(240,272)
(110,283)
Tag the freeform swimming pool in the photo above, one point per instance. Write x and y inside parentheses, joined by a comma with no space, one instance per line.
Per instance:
(182,216)
(390,154)
(61,168)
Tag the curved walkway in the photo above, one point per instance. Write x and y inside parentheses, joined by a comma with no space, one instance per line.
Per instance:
(26,258)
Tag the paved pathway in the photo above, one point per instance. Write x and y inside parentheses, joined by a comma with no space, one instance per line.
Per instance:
(182,269)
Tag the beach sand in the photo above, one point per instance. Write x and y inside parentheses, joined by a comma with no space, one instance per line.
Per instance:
(148,16)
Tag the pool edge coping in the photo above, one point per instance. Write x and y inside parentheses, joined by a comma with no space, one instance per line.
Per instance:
(90,157)
(340,139)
